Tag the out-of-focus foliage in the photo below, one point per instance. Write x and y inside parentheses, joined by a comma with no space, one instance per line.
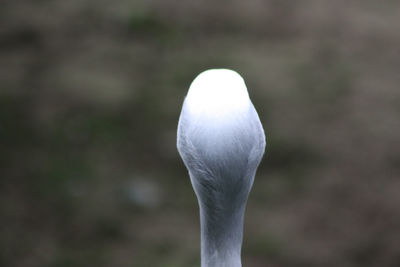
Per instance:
(90,94)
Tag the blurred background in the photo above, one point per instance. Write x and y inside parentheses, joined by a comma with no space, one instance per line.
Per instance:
(90,95)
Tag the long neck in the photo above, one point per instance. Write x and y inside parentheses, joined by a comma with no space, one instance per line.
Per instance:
(221,235)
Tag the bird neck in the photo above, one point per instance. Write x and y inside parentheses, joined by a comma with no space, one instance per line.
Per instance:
(221,235)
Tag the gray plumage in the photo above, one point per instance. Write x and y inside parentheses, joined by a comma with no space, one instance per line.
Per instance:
(221,141)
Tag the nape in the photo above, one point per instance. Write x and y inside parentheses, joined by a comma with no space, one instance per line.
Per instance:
(221,141)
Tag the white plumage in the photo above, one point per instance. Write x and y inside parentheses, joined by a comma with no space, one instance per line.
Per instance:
(221,141)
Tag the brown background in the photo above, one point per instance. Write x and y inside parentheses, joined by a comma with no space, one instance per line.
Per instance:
(90,94)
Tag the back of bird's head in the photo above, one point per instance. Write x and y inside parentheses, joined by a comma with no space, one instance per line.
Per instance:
(217,93)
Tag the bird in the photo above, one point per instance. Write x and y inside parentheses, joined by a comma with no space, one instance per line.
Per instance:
(221,141)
